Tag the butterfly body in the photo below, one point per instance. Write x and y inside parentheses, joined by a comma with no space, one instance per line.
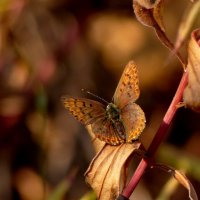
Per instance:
(112,112)
(118,122)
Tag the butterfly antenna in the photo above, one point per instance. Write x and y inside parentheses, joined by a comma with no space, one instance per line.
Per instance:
(94,95)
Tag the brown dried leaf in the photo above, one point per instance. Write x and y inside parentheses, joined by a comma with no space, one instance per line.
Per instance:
(145,3)
(191,94)
(181,178)
(143,14)
(104,172)
(149,15)
(157,14)
(152,17)
(186,24)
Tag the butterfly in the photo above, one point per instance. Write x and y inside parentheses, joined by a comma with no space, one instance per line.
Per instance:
(117,122)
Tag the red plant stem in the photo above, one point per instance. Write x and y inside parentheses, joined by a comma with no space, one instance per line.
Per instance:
(158,138)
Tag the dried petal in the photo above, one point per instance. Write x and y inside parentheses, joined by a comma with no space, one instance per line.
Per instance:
(157,13)
(152,17)
(191,94)
(145,3)
(186,24)
(181,178)
(104,172)
(144,15)
(149,15)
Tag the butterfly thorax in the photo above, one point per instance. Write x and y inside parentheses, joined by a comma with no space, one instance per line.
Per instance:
(112,112)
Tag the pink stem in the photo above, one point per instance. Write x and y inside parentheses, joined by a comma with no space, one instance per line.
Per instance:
(159,137)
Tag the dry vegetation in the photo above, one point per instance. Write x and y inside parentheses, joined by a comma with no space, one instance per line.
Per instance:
(55,47)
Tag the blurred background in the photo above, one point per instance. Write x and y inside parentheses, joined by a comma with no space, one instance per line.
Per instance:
(50,48)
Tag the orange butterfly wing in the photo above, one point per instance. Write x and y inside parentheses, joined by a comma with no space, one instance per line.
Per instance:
(133,119)
(84,110)
(128,88)
(127,92)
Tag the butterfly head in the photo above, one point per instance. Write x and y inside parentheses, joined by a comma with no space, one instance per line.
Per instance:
(112,112)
